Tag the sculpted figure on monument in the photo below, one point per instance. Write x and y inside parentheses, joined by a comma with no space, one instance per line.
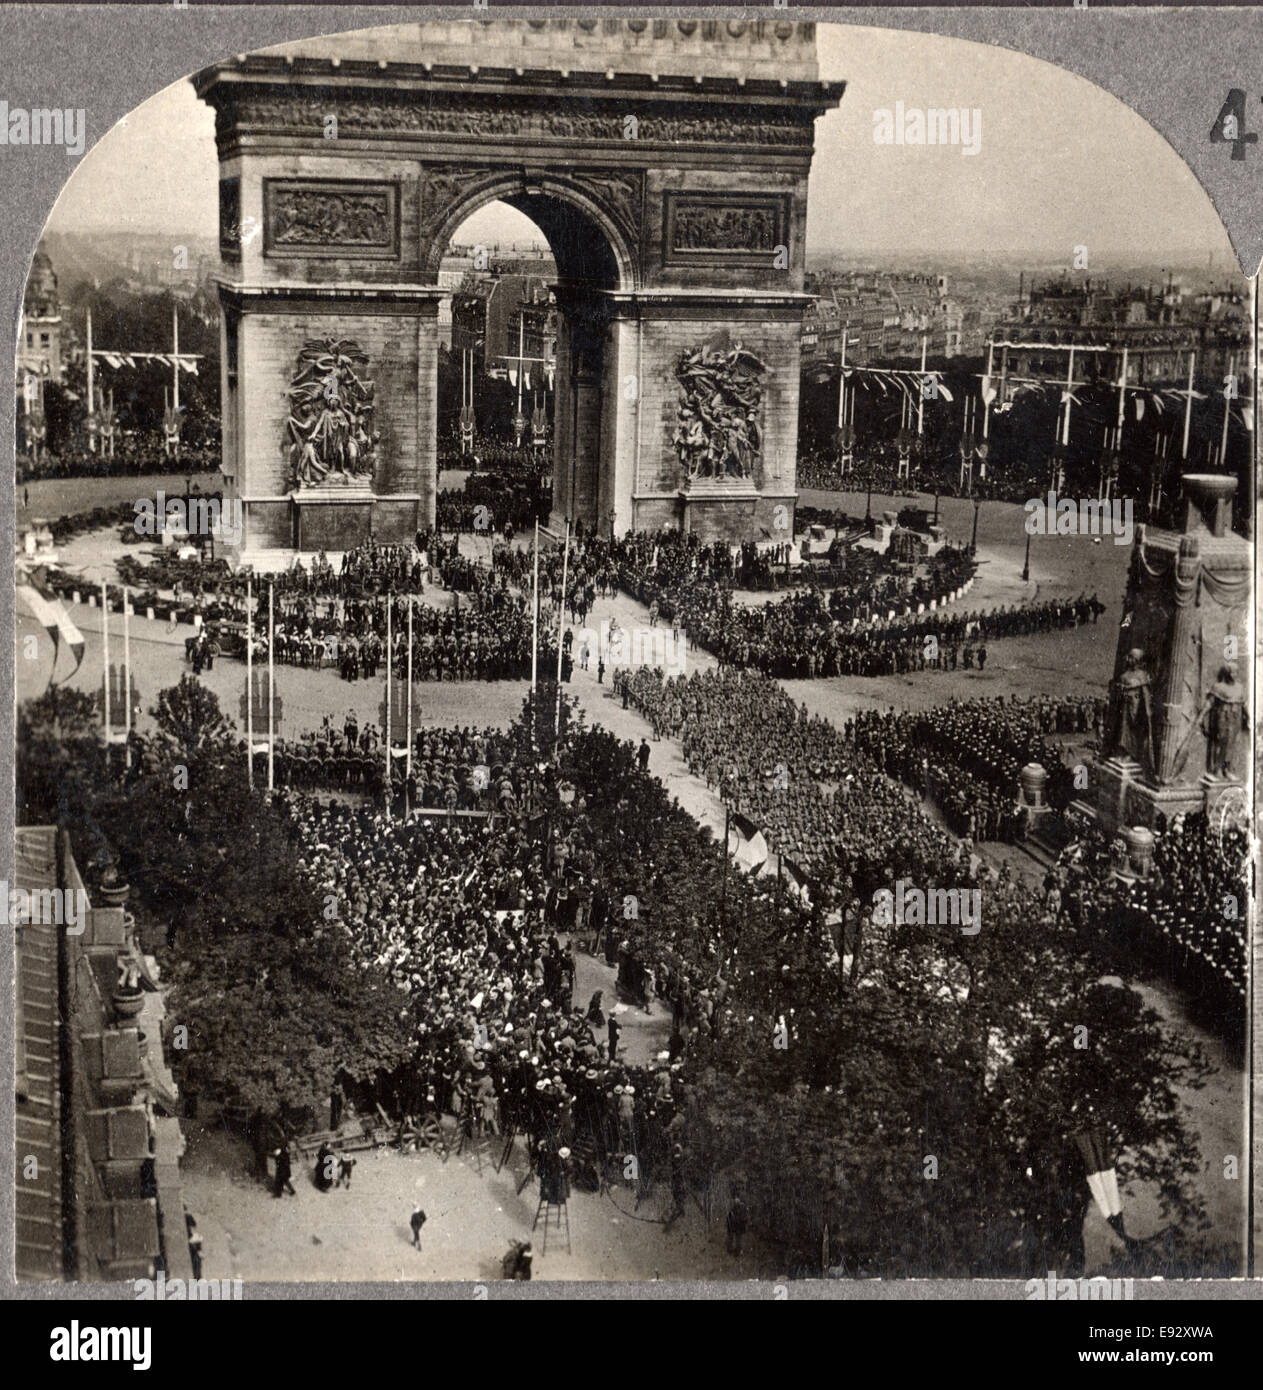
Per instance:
(1223,719)
(329,432)
(717,426)
(705,228)
(1135,711)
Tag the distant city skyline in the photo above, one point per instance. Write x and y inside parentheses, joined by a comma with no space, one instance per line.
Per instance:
(1061,164)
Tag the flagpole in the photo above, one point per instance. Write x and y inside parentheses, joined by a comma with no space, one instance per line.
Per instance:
(390,603)
(127,688)
(408,717)
(249,686)
(925,337)
(521,348)
(986,404)
(1065,428)
(1122,400)
(271,690)
(91,380)
(842,378)
(1188,402)
(535,618)
(105,618)
(561,613)
(1223,437)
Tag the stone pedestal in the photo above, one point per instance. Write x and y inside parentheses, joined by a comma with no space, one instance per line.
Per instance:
(1182,659)
(1140,844)
(1125,797)
(717,509)
(1032,781)
(333,518)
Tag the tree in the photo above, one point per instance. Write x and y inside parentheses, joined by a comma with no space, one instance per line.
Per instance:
(275,1021)
(191,726)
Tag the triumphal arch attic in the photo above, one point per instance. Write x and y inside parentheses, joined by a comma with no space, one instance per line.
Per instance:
(666,163)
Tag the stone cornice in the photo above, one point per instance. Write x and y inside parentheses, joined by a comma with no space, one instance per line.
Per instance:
(363,296)
(263,70)
(629,302)
(261,98)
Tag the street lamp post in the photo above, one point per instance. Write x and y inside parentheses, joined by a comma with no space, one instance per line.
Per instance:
(973,544)
(1026,564)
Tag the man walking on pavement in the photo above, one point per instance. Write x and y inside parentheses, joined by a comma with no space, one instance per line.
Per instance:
(615,1028)
(417,1221)
(284,1169)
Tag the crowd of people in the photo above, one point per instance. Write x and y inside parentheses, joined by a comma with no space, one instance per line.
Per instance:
(449,770)
(966,756)
(491,454)
(487,504)
(1185,921)
(1003,476)
(827,799)
(484,636)
(818,798)
(475,922)
(873,465)
(131,457)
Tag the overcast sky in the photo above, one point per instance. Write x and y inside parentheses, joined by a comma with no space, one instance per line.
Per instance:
(1061,164)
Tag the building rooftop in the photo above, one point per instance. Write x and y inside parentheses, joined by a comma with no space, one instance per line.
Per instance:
(38,1253)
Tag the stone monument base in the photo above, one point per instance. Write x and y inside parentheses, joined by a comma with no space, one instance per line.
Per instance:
(733,510)
(336,517)
(1126,798)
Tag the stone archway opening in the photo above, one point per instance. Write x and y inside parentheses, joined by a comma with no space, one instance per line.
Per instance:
(522,365)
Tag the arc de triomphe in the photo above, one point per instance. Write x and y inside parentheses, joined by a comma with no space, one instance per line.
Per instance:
(665,161)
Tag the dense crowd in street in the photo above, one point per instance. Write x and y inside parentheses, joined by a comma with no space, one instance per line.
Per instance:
(485,635)
(480,630)
(130,458)
(819,799)
(450,769)
(872,465)
(966,756)
(490,454)
(685,584)
(875,465)
(467,919)
(1186,921)
(485,505)
(827,799)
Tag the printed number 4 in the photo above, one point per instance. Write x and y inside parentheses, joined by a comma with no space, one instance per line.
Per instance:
(1230,125)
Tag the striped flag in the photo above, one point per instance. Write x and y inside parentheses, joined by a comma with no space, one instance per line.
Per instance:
(47,610)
